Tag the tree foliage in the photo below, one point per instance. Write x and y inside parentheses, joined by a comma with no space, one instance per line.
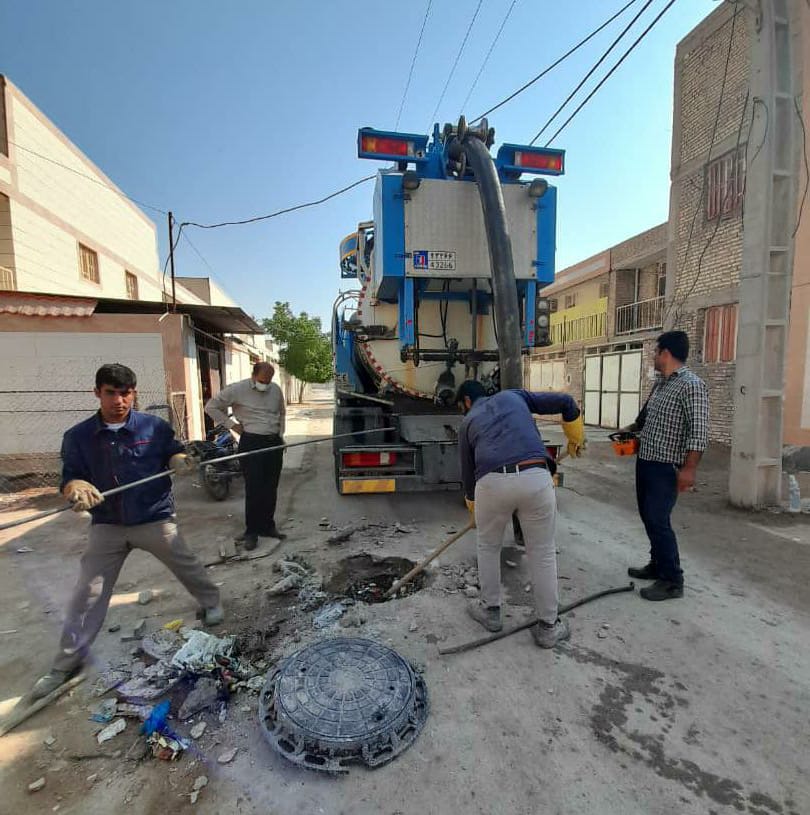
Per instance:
(305,351)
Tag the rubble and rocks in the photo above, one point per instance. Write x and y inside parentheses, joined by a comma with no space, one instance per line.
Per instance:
(111,731)
(113,628)
(228,756)
(200,782)
(201,651)
(198,730)
(166,748)
(203,696)
(288,583)
(328,615)
(161,644)
(145,597)
(36,786)
(49,741)
(136,632)
(109,680)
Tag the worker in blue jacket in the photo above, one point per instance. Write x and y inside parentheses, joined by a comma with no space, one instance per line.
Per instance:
(116,446)
(506,469)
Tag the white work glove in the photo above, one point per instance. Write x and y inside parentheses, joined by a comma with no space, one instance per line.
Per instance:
(182,464)
(82,494)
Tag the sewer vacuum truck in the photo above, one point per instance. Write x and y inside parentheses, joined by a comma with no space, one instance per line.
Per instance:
(449,277)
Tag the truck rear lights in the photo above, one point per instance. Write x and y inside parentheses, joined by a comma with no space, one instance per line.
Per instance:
(383,145)
(549,161)
(515,159)
(369,459)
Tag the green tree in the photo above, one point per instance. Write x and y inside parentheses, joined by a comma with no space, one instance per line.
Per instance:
(305,351)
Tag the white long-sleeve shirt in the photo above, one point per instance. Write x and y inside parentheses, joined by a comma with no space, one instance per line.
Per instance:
(260,412)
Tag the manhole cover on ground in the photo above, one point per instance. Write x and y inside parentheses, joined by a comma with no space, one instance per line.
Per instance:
(367,578)
(340,702)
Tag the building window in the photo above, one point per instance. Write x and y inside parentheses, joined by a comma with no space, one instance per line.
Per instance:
(570,300)
(604,289)
(88,264)
(6,279)
(552,305)
(662,280)
(725,184)
(720,334)
(3,130)
(132,285)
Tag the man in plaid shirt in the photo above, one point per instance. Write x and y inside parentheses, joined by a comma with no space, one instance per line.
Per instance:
(674,425)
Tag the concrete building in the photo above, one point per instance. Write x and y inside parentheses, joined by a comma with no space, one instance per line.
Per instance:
(606,312)
(81,284)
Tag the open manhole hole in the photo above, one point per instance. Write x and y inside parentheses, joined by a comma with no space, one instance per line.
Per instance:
(366,578)
(343,701)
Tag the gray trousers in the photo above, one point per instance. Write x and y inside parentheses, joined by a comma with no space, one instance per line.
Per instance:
(100,565)
(530,494)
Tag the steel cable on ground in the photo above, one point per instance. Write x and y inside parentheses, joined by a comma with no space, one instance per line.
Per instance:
(413,62)
(455,64)
(592,71)
(610,73)
(555,63)
(486,58)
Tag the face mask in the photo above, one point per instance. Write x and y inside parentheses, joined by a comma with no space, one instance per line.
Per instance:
(261,386)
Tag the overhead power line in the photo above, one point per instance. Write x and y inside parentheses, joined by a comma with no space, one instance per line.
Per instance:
(88,177)
(555,63)
(275,214)
(592,71)
(486,58)
(413,62)
(611,71)
(455,64)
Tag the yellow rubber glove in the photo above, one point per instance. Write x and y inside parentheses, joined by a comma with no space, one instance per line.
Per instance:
(575,433)
(470,508)
(82,494)
(182,464)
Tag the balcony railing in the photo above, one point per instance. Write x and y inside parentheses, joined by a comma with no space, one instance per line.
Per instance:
(641,316)
(586,322)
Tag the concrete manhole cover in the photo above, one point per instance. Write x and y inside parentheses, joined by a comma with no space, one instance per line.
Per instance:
(340,702)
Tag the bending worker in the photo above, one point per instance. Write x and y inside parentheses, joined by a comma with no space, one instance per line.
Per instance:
(119,445)
(258,418)
(506,469)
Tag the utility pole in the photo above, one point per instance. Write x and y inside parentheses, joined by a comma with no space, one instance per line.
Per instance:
(767,261)
(171,259)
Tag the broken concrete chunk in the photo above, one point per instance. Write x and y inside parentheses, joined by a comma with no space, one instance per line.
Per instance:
(136,632)
(107,681)
(113,628)
(228,756)
(145,597)
(200,781)
(227,549)
(198,730)
(49,741)
(471,591)
(203,696)
(36,786)
(112,730)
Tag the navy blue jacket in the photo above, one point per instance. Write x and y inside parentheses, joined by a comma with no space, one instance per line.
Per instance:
(499,430)
(108,458)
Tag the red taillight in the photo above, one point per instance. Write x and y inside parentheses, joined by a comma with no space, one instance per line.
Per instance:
(539,161)
(386,146)
(369,459)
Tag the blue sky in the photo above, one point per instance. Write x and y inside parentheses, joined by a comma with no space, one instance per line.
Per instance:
(224,111)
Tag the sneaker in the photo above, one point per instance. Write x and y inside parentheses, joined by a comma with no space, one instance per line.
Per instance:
(662,590)
(547,636)
(214,616)
(50,682)
(488,616)
(648,572)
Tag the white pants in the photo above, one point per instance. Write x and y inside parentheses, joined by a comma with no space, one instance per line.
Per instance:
(530,493)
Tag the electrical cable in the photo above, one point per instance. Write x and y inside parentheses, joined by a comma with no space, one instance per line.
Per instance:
(413,63)
(592,71)
(806,167)
(455,64)
(282,211)
(555,63)
(88,177)
(486,58)
(610,73)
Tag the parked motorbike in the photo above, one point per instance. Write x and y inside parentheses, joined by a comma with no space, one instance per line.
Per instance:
(216,478)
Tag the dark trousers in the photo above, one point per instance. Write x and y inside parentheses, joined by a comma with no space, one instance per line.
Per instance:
(262,473)
(657,492)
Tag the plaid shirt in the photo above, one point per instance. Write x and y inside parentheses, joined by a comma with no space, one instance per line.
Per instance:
(677,418)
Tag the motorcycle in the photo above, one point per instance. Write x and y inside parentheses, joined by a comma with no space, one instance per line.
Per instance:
(216,478)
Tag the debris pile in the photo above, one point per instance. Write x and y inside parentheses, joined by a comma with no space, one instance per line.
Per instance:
(459,577)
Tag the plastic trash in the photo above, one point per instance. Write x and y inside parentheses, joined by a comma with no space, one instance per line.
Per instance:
(156,721)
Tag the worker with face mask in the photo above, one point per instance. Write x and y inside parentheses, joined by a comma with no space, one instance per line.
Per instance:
(257,416)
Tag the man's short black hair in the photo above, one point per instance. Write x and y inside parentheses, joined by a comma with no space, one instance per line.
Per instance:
(676,342)
(472,388)
(260,366)
(117,375)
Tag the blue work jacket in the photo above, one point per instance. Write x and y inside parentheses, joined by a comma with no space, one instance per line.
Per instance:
(499,430)
(109,458)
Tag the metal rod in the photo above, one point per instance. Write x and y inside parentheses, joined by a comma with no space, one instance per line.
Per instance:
(48,512)
(171,259)
(18,717)
(375,399)
(420,567)
(468,646)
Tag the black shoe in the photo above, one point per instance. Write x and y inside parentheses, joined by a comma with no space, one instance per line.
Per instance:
(250,541)
(648,572)
(662,590)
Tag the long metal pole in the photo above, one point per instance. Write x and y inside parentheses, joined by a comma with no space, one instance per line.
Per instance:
(171,259)
(124,487)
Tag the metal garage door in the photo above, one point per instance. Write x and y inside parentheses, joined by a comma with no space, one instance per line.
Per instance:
(547,375)
(612,388)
